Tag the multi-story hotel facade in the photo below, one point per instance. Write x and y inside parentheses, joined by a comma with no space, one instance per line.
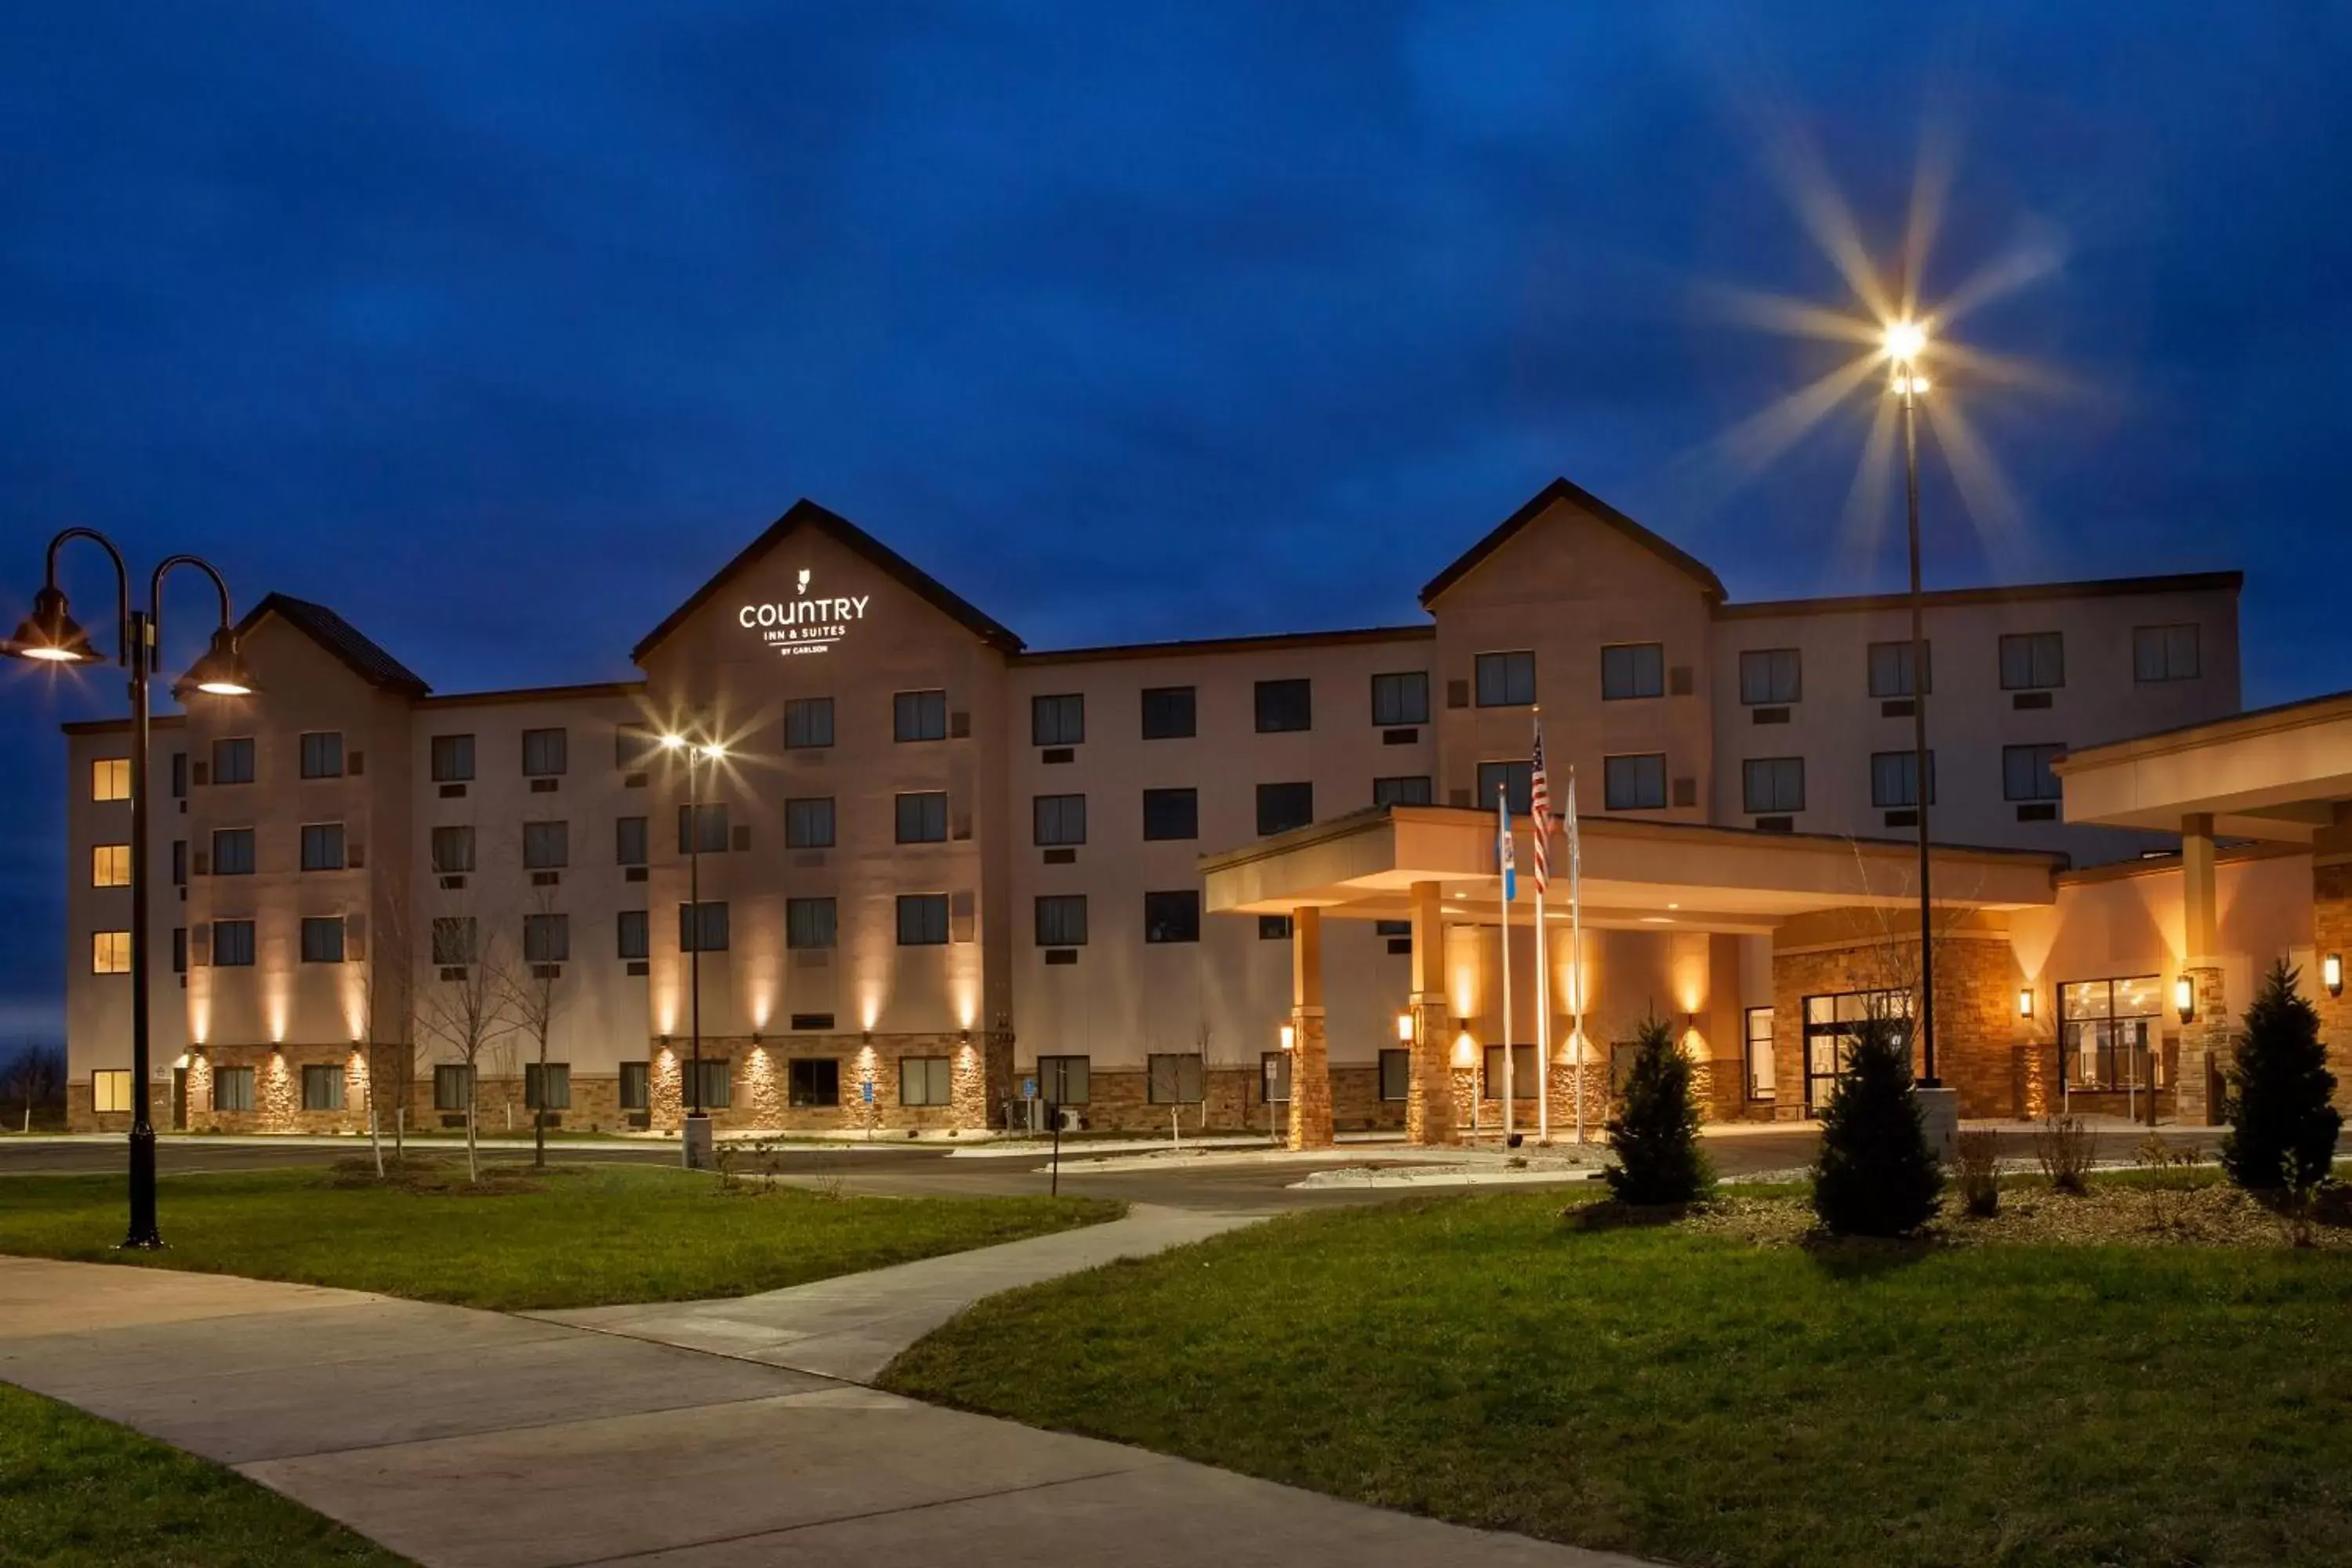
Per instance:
(942,875)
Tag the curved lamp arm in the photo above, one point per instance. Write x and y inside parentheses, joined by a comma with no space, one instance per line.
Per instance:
(122,583)
(155,598)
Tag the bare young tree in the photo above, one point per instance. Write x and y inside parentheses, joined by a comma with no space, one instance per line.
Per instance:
(536,995)
(387,984)
(34,1076)
(463,1009)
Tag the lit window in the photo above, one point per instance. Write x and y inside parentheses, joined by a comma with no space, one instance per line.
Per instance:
(110,779)
(109,866)
(109,1091)
(109,952)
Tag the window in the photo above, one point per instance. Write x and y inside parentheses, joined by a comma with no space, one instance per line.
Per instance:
(1831,1024)
(1060,818)
(1274,1077)
(453,1086)
(1168,712)
(702,928)
(2025,773)
(1523,1073)
(110,779)
(547,1086)
(547,939)
(453,849)
(179,775)
(1507,679)
(637,1086)
(322,1087)
(1756,1023)
(1172,1077)
(1894,778)
(808,722)
(2164,653)
(109,865)
(1396,1074)
(323,938)
(545,752)
(1058,721)
(925,1080)
(232,763)
(918,716)
(232,943)
(1062,920)
(1171,814)
(1770,786)
(179,950)
(1282,806)
(1284,705)
(1411,789)
(109,1091)
(634,937)
(452,939)
(1632,669)
(923,818)
(1634,784)
(2105,1028)
(813,1081)
(1402,698)
(629,836)
(810,923)
(231,1088)
(635,747)
(322,846)
(808,823)
(1274,928)
(179,862)
(1891,672)
(2030,661)
(716,1084)
(1172,916)
(109,952)
(702,827)
(453,758)
(922,920)
(233,852)
(322,754)
(1062,1081)
(1516,780)
(1770,675)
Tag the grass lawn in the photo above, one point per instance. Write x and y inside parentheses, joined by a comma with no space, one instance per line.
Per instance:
(77,1490)
(1699,1398)
(575,1238)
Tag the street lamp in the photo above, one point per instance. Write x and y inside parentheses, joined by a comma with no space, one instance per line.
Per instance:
(1904,341)
(694,1138)
(51,636)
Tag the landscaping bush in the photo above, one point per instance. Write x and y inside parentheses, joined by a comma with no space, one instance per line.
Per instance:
(2283,1127)
(1654,1134)
(1979,1171)
(2065,1149)
(1875,1174)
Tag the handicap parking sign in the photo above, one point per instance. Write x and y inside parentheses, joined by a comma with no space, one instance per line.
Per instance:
(868,1090)
(1028,1089)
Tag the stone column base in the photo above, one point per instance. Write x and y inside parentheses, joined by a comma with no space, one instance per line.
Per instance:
(1429,1109)
(1310,1081)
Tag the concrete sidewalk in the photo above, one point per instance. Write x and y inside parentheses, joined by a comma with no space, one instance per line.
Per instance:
(477,1440)
(851,1327)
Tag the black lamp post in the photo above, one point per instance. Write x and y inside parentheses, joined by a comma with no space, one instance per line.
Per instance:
(1905,341)
(51,636)
(693,1138)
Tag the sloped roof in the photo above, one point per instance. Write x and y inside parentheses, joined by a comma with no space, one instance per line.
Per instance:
(365,656)
(1585,501)
(806,513)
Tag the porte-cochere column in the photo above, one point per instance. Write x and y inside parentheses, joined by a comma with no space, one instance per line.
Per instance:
(1311,1058)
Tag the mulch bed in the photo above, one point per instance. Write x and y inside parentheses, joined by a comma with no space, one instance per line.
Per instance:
(2207,1215)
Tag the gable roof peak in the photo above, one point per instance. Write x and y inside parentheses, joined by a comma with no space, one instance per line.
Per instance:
(361,654)
(1562,490)
(806,513)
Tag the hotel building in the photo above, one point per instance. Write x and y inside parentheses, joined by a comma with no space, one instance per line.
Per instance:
(945,877)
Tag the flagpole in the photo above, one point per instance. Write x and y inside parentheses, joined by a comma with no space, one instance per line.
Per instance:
(1576,943)
(1503,854)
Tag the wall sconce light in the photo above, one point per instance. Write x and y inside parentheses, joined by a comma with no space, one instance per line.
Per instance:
(967,1037)
(1289,1037)
(2025,1001)
(2184,998)
(1404,1028)
(2331,969)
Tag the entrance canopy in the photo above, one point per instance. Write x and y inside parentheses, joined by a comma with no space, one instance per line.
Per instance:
(1661,876)
(2280,773)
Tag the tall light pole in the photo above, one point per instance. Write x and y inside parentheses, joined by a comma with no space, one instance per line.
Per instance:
(50,636)
(693,1138)
(1904,343)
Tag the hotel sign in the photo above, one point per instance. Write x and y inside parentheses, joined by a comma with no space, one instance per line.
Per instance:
(803,623)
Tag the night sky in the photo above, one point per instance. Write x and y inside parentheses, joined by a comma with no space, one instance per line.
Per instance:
(499,328)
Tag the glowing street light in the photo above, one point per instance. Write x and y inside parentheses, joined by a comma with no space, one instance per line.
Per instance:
(1906,341)
(693,1138)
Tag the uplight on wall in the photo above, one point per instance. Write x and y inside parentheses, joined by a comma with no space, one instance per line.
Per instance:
(2331,970)
(2184,998)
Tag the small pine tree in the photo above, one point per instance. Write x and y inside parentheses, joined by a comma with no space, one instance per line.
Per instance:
(1654,1134)
(1875,1174)
(2282,1125)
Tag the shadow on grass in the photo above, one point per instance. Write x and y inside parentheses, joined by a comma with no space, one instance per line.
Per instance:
(1858,1258)
(1609,1214)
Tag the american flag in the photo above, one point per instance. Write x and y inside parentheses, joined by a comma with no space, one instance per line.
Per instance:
(1539,810)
